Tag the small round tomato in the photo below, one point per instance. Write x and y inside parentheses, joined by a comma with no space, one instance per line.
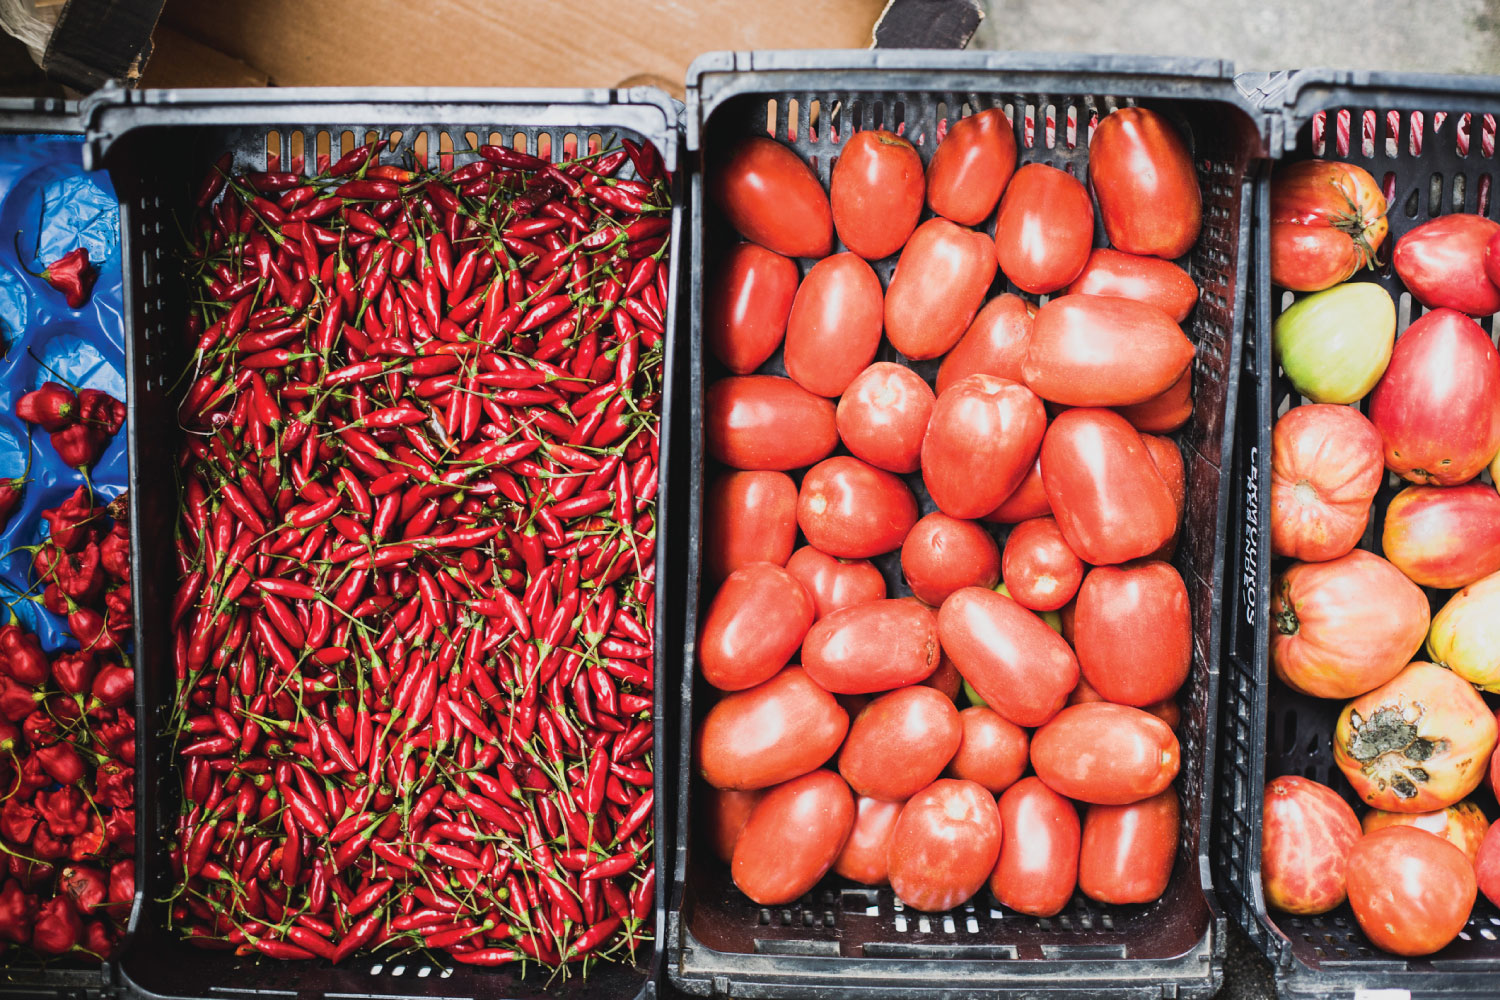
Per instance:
(1165,412)
(851,509)
(1411,891)
(1029,500)
(770,733)
(773,198)
(1147,188)
(744,316)
(1040,571)
(1134,632)
(982,438)
(993,751)
(766,422)
(941,279)
(900,743)
(1308,832)
(883,415)
(1146,279)
(1020,667)
(1442,263)
(1127,851)
(1095,350)
(1326,465)
(994,344)
(1462,824)
(942,554)
(792,838)
(834,328)
(971,167)
(1038,866)
(748,517)
(872,647)
(835,583)
(1328,220)
(866,854)
(753,626)
(1105,754)
(721,814)
(944,845)
(1044,230)
(876,193)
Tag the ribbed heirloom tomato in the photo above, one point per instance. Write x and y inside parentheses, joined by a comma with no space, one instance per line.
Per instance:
(1144,179)
(745,312)
(1462,824)
(1308,832)
(1328,220)
(876,193)
(1326,465)
(1044,229)
(773,198)
(1442,263)
(1444,536)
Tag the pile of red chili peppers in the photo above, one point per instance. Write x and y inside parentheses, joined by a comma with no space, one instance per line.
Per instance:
(414,633)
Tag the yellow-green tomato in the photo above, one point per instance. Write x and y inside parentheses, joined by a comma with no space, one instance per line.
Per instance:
(1465,635)
(1334,345)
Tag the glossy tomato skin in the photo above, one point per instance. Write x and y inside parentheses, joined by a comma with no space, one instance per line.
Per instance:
(766,422)
(771,733)
(900,743)
(745,314)
(944,845)
(1147,188)
(748,517)
(872,647)
(834,327)
(1328,220)
(773,198)
(1099,350)
(1165,412)
(1492,270)
(942,554)
(1027,501)
(993,751)
(1127,851)
(866,854)
(1166,710)
(940,282)
(835,583)
(1411,891)
(994,344)
(1044,230)
(850,509)
(1038,866)
(1020,667)
(945,679)
(1168,461)
(1152,280)
(1134,632)
(1040,571)
(1487,864)
(1105,754)
(1444,536)
(1465,634)
(971,167)
(753,626)
(721,814)
(883,416)
(1462,824)
(876,193)
(981,440)
(793,837)
(1326,465)
(1442,263)
(1307,834)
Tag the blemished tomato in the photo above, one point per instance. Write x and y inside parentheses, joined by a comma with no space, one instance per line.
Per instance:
(900,743)
(766,422)
(770,733)
(1419,742)
(994,344)
(945,678)
(1029,500)
(1133,631)
(1166,411)
(748,517)
(1044,229)
(1020,667)
(721,813)
(1104,487)
(834,328)
(745,312)
(850,509)
(883,415)
(773,198)
(1462,824)
(1147,188)
(1343,627)
(1127,851)
(942,554)
(1442,263)
(993,751)
(1168,461)
(753,626)
(981,440)
(1146,279)
(1444,536)
(1411,891)
(945,845)
(1327,221)
(1097,350)
(835,583)
(1487,865)
(971,167)
(1326,465)
(940,282)
(1038,866)
(866,854)
(1465,634)
(1308,832)
(872,647)
(1040,571)
(1106,754)
(793,837)
(876,193)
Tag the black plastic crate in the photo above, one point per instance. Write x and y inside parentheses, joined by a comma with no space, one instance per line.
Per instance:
(843,936)
(157,144)
(1267,729)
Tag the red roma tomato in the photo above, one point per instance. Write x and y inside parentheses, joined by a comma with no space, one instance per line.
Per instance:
(1127,851)
(835,583)
(1095,350)
(944,845)
(941,279)
(872,647)
(773,198)
(971,166)
(1168,462)
(1327,221)
(994,344)
(1044,229)
(1343,627)
(1492,271)
(1462,824)
(942,554)
(1444,536)
(1028,501)
(722,813)
(945,679)
(1165,710)
(981,440)
(993,751)
(793,837)
(1308,831)
(1133,631)
(1166,411)
(1442,263)
(1146,279)
(1411,892)
(1104,488)
(1487,864)
(1040,571)
(753,627)
(876,193)
(1147,188)
(748,517)
(1326,465)
(766,422)
(865,857)
(883,416)
(1416,743)
(1020,667)
(900,743)
(853,510)
(771,733)
(1038,866)
(745,313)
(1105,753)
(834,328)
(1437,407)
